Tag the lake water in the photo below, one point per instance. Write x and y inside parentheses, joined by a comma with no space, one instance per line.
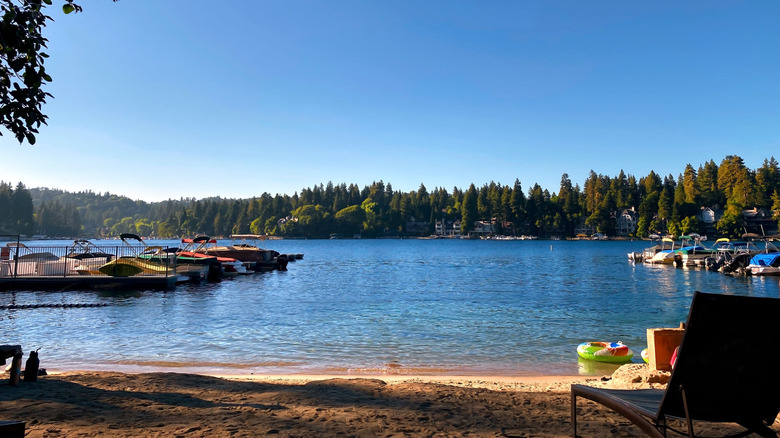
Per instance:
(378,306)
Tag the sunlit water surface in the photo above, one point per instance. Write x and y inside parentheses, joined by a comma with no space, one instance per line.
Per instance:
(378,306)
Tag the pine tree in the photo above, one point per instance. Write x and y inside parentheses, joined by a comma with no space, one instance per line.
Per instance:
(690,186)
(22,210)
(518,210)
(469,212)
(6,217)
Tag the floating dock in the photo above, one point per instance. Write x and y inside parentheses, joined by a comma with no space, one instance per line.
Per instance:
(89,282)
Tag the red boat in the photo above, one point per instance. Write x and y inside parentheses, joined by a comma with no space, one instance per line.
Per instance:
(192,251)
(254,257)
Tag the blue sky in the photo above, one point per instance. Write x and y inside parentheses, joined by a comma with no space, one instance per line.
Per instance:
(188,98)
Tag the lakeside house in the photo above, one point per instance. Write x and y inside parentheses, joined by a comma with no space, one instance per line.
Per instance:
(759,221)
(627,222)
(709,217)
(416,228)
(447,228)
(484,228)
(756,220)
(584,229)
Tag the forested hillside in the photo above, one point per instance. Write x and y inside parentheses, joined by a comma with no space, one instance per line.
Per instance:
(663,204)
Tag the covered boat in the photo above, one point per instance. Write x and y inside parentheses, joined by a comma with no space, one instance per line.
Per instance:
(765,264)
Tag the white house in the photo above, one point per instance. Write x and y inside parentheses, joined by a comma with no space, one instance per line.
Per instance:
(627,222)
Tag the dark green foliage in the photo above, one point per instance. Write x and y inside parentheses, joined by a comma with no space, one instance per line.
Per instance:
(469,210)
(6,215)
(23,76)
(22,210)
(55,219)
(662,205)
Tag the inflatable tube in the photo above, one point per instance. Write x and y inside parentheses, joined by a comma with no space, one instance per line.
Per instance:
(610,352)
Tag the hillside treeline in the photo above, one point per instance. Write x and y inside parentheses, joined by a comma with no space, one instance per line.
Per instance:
(664,204)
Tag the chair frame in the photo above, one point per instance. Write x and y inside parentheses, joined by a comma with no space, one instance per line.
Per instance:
(718,327)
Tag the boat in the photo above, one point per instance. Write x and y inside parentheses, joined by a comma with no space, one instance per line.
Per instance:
(24,261)
(694,255)
(148,260)
(648,253)
(764,264)
(244,248)
(669,252)
(635,256)
(89,255)
(610,352)
(232,267)
(228,266)
(664,254)
(195,264)
(129,266)
(735,256)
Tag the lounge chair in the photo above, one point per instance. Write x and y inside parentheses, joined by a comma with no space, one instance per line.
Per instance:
(726,371)
(12,429)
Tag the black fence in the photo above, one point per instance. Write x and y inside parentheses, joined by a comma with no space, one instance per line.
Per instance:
(83,258)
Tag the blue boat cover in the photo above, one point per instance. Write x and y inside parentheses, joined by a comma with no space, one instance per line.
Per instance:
(771,259)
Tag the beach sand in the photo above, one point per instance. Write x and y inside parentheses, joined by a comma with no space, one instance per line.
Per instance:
(111,404)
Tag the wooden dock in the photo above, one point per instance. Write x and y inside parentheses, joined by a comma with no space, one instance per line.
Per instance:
(89,282)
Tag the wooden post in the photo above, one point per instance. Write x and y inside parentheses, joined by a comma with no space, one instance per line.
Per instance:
(16,368)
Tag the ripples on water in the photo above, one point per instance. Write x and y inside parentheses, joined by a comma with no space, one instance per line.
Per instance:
(438,306)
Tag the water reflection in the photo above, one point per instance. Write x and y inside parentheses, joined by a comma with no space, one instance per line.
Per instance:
(592,368)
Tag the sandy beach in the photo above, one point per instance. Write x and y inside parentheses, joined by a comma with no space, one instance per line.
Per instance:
(91,404)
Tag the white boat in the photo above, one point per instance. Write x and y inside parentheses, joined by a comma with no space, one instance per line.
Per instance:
(234,267)
(732,256)
(764,264)
(664,254)
(694,255)
(88,255)
(672,253)
(254,257)
(26,262)
(196,248)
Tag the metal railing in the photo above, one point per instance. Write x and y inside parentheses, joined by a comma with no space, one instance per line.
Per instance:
(82,258)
